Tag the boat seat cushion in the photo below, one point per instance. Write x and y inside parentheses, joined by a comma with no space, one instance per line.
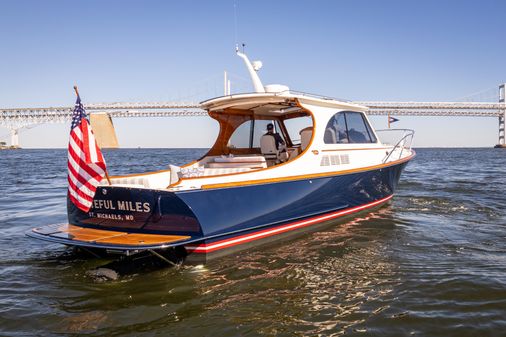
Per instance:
(238,162)
(305,137)
(330,136)
(221,171)
(192,172)
(156,180)
(268,146)
(242,159)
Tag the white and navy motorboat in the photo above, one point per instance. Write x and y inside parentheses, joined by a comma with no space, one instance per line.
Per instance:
(320,160)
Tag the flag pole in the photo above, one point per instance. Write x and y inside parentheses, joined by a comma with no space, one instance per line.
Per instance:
(75,89)
(107,177)
(106,174)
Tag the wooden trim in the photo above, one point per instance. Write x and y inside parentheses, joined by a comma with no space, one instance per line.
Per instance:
(104,236)
(305,176)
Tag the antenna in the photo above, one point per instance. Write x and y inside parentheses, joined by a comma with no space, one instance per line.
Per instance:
(235,23)
(252,69)
(225,81)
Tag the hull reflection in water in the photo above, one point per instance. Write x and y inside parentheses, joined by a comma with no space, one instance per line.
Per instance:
(328,284)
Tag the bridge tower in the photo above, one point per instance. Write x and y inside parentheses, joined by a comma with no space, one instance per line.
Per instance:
(15,138)
(502,118)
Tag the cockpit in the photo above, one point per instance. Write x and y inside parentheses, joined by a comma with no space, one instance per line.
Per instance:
(269,136)
(244,143)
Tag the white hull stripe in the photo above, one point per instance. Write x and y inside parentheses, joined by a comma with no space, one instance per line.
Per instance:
(204,248)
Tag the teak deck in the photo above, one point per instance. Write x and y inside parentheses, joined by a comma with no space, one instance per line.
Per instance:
(107,237)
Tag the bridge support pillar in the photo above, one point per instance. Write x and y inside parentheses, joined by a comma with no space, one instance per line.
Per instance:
(14,138)
(502,118)
(501,130)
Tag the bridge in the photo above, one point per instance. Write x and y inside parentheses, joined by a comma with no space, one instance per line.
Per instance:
(19,118)
(16,119)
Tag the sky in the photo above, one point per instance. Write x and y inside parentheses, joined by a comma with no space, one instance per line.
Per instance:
(141,51)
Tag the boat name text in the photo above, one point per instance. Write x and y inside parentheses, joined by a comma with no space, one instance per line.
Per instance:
(121,205)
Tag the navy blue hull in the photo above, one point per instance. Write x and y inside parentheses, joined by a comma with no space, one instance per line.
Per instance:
(217,215)
(225,210)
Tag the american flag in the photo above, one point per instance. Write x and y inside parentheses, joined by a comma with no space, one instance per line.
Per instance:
(86,165)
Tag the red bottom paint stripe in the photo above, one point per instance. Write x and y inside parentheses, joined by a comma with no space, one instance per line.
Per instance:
(207,248)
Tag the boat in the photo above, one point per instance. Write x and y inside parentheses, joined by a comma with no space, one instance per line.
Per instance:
(4,146)
(284,163)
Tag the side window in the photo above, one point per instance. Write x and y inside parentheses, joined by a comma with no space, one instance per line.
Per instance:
(336,132)
(261,129)
(241,136)
(295,125)
(369,130)
(357,131)
(248,134)
(348,127)
(341,129)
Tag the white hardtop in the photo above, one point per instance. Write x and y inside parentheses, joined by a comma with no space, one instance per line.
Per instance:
(288,98)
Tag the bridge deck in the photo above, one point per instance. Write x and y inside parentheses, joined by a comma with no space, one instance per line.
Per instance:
(15,119)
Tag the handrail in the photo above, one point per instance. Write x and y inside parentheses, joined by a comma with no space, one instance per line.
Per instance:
(407,133)
(326,98)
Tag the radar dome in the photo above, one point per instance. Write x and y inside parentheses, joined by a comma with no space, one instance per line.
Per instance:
(274,88)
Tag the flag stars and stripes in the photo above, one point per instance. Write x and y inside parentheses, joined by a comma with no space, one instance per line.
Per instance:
(86,164)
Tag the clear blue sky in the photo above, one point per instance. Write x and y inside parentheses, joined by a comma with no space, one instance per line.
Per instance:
(170,50)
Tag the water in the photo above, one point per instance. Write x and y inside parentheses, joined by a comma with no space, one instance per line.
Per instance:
(432,263)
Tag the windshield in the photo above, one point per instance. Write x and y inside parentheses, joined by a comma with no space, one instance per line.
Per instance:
(248,134)
(295,125)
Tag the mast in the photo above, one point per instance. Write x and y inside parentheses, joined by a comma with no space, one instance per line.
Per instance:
(252,69)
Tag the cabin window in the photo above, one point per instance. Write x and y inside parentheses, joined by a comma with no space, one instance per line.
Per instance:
(261,128)
(240,139)
(248,134)
(348,127)
(369,130)
(295,125)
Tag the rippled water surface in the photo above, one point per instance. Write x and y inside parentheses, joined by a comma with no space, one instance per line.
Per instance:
(431,263)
